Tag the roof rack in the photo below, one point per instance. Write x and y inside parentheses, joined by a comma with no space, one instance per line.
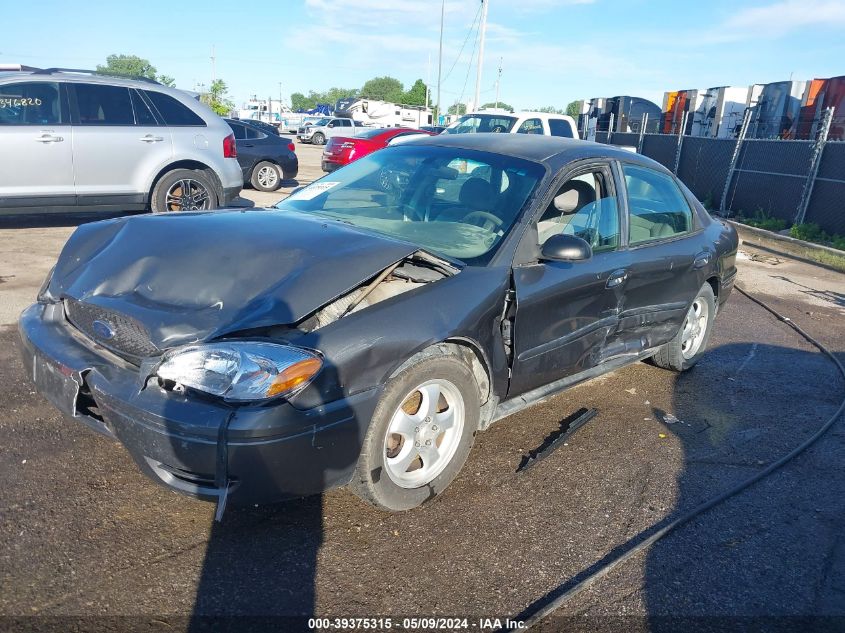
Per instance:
(53,71)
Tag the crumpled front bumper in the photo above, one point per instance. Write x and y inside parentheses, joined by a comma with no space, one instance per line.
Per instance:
(192,444)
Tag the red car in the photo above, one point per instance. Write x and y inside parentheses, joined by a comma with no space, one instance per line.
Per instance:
(342,150)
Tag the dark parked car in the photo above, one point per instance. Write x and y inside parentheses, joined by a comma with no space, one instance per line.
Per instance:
(267,128)
(356,336)
(266,159)
(434,129)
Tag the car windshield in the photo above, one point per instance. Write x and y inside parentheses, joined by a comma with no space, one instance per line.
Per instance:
(320,122)
(456,202)
(482,123)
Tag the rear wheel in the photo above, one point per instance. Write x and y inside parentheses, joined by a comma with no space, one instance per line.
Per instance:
(266,176)
(689,344)
(318,139)
(420,435)
(183,190)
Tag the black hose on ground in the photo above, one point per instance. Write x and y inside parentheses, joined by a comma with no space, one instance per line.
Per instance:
(551,602)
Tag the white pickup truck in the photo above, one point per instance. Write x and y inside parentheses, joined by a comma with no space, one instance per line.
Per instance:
(515,123)
(320,131)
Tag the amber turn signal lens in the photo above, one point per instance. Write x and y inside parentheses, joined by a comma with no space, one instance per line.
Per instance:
(294,376)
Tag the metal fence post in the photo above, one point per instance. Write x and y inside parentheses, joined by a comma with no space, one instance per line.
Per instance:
(642,133)
(734,158)
(815,161)
(680,142)
(610,129)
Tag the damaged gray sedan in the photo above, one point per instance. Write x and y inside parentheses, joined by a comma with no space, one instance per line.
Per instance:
(363,331)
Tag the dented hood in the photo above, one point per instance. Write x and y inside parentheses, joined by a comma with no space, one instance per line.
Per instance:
(192,277)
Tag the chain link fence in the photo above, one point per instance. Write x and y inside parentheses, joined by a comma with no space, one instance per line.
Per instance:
(773,178)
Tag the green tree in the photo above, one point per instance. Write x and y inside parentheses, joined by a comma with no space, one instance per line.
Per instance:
(128,66)
(416,94)
(502,105)
(133,66)
(458,108)
(383,89)
(573,108)
(216,98)
(551,110)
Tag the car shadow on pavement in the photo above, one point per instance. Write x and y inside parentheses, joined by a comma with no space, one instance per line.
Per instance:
(260,563)
(767,558)
(771,558)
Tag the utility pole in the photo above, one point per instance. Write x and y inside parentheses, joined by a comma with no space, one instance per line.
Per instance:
(427,80)
(280,98)
(498,79)
(483,32)
(213,68)
(440,58)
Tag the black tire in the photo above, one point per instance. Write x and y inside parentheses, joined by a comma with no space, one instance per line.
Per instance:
(169,185)
(266,176)
(674,355)
(373,479)
(318,139)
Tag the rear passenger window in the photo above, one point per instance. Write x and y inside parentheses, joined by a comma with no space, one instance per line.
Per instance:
(173,112)
(104,105)
(531,126)
(251,132)
(239,130)
(560,127)
(658,209)
(143,115)
(31,103)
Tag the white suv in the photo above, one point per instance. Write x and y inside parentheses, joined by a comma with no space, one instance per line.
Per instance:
(515,123)
(81,141)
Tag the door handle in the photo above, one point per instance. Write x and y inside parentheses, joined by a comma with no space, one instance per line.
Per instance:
(617,278)
(149,138)
(49,138)
(701,260)
(247,145)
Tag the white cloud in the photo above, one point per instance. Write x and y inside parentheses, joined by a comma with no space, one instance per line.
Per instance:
(777,19)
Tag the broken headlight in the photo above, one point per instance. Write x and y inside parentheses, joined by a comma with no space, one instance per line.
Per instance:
(44,295)
(241,371)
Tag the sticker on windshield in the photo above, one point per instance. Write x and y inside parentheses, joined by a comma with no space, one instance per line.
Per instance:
(312,191)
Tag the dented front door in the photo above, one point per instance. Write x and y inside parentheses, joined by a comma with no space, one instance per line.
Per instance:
(565,315)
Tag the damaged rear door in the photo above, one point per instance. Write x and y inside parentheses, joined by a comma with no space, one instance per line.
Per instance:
(567,313)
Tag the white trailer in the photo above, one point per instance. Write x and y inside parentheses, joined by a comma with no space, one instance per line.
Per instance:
(383,113)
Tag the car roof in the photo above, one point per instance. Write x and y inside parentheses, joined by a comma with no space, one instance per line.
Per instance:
(86,77)
(535,147)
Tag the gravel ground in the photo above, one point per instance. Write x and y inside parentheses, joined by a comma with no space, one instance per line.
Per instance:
(83,533)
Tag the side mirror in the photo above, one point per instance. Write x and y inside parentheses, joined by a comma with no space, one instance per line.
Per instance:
(565,248)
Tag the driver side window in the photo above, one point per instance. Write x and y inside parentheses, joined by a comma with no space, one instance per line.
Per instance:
(584,206)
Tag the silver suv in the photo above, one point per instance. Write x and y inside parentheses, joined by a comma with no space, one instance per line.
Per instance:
(80,141)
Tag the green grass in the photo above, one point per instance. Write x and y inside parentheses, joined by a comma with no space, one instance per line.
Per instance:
(811,232)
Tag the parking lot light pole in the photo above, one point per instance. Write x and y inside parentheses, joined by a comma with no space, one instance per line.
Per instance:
(440,58)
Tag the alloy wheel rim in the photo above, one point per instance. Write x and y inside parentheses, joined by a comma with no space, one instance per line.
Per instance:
(267,176)
(695,327)
(187,194)
(424,433)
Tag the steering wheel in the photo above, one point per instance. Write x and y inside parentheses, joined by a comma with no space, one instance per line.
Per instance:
(490,221)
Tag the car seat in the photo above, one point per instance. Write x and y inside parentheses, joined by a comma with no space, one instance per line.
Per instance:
(574,196)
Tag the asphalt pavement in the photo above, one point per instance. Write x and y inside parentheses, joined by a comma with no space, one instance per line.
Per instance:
(83,533)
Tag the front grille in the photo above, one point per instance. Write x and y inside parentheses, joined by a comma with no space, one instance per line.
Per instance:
(128,338)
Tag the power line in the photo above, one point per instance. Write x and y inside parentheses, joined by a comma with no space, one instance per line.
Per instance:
(469,69)
(466,39)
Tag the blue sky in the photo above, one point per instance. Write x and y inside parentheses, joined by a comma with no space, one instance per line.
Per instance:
(552,51)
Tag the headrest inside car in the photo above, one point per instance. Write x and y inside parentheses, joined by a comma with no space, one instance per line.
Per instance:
(576,194)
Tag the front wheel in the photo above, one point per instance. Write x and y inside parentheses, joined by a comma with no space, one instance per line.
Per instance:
(183,190)
(420,436)
(266,176)
(689,344)
(318,139)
